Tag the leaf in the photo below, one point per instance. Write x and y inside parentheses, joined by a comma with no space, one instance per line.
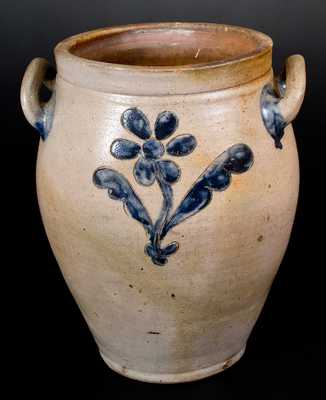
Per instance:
(120,189)
(237,159)
(170,249)
(196,199)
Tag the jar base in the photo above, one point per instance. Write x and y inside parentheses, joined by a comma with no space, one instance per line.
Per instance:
(173,378)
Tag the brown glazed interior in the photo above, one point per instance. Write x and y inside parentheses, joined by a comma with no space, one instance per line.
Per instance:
(171,45)
(166,58)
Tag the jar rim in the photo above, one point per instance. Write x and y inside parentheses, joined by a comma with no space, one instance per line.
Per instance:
(162,53)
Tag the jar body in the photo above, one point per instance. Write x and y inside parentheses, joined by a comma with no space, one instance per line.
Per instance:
(191,317)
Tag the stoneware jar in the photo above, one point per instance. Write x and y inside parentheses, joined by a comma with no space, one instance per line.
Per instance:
(167,179)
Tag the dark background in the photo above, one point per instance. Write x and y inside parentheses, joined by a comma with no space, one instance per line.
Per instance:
(51,350)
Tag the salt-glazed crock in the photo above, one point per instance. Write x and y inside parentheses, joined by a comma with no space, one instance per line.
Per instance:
(167,179)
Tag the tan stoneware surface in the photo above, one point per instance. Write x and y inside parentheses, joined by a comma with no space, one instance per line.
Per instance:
(191,317)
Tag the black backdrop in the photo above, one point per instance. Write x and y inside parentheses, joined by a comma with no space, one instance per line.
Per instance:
(52,351)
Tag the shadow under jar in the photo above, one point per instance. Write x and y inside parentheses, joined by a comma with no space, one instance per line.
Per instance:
(167,179)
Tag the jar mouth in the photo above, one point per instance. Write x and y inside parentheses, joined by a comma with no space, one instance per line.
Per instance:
(169,45)
(164,47)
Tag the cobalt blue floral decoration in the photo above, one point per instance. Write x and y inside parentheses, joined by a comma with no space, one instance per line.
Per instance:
(151,167)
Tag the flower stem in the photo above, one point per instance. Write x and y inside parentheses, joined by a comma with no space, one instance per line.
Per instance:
(166,189)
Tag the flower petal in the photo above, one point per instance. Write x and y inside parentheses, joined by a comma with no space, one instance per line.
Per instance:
(144,172)
(124,149)
(181,145)
(169,170)
(166,123)
(136,122)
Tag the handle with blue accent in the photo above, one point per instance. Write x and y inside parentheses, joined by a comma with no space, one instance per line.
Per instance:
(281,102)
(38,113)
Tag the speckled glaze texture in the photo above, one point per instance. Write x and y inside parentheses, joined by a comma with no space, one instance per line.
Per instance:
(168,206)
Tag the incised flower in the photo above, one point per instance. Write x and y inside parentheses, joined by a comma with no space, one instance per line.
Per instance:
(150,164)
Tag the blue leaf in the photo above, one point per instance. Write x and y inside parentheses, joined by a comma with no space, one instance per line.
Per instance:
(120,189)
(239,159)
(135,121)
(217,177)
(181,145)
(170,249)
(123,149)
(198,198)
(166,124)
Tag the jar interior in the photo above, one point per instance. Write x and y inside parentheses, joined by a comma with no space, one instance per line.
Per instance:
(171,46)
